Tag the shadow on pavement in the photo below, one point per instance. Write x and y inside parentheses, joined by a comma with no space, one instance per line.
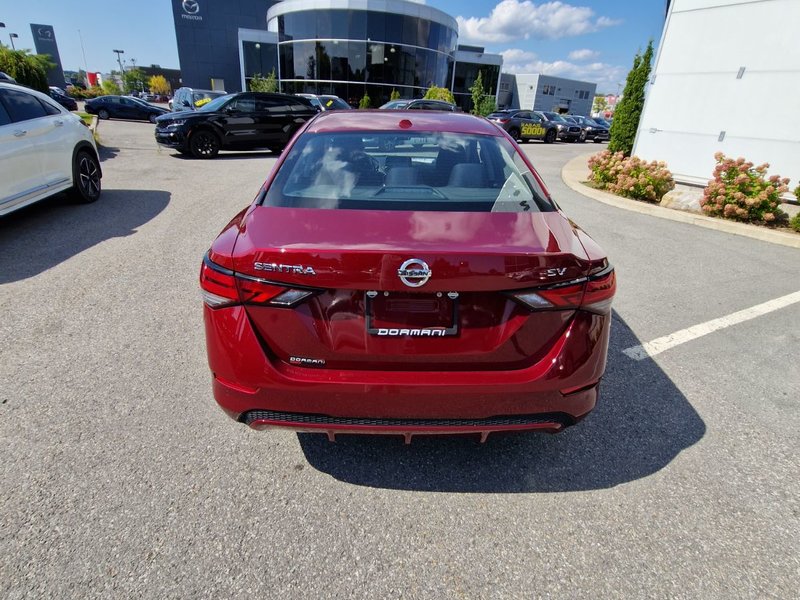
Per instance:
(641,423)
(49,232)
(229,155)
(106,152)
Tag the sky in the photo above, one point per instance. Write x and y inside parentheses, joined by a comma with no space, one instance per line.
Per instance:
(591,40)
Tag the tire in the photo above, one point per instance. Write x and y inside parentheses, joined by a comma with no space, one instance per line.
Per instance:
(102,114)
(204,144)
(152,119)
(514,133)
(582,137)
(550,136)
(86,178)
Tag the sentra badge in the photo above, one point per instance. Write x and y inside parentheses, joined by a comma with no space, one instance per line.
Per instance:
(281,268)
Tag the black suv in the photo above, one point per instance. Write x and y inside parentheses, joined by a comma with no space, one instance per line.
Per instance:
(525,125)
(244,121)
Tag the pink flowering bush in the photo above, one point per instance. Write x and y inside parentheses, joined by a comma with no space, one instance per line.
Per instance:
(742,192)
(630,176)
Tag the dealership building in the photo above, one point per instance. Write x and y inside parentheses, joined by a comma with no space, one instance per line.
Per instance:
(342,47)
(546,92)
(725,79)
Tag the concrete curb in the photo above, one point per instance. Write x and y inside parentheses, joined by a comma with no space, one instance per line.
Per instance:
(576,171)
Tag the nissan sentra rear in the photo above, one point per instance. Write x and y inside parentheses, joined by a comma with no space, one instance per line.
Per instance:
(380,285)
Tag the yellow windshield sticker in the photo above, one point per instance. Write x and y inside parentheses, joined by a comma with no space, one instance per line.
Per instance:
(532,130)
(202,102)
(329,103)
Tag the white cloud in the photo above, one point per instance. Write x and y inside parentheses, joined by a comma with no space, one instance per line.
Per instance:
(583,54)
(515,19)
(604,75)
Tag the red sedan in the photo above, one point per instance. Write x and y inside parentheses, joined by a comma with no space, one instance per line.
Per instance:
(405,274)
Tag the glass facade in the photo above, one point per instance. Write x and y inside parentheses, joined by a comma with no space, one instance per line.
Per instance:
(465,75)
(350,52)
(260,58)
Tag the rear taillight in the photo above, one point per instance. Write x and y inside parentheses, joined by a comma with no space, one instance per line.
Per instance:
(593,293)
(222,287)
(217,285)
(600,291)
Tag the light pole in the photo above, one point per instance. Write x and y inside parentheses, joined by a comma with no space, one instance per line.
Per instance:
(11,36)
(119,60)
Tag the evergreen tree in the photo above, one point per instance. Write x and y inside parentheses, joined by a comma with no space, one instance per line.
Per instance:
(395,95)
(477,94)
(629,109)
(365,101)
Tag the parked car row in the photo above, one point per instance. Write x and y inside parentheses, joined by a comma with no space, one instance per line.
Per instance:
(526,125)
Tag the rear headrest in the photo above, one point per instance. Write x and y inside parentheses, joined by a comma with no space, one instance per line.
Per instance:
(467,175)
(402,176)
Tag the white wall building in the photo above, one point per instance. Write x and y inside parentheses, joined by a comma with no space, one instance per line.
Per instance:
(545,92)
(726,78)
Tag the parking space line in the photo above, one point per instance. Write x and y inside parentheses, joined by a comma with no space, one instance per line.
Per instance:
(659,345)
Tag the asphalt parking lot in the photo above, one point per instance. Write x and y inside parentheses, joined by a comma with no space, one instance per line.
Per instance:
(121,478)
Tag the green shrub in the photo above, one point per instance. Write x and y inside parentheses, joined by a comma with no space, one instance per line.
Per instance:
(439,93)
(28,69)
(395,95)
(742,192)
(794,222)
(365,101)
(80,94)
(630,176)
(264,84)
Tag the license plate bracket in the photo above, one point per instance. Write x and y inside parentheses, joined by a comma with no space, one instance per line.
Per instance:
(382,310)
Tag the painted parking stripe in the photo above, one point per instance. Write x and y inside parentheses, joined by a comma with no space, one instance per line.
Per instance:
(659,345)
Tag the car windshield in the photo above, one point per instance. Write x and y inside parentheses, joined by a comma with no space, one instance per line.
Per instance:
(216,103)
(333,103)
(555,117)
(499,114)
(200,99)
(423,171)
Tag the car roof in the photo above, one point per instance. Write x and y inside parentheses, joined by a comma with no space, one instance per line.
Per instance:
(383,120)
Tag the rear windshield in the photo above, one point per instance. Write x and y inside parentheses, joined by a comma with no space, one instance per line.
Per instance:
(202,98)
(333,103)
(406,171)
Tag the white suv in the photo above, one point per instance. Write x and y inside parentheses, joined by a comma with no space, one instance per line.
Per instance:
(44,149)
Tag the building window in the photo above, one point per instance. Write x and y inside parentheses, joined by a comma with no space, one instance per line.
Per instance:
(549,90)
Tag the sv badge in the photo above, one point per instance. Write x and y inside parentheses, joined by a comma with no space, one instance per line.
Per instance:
(555,272)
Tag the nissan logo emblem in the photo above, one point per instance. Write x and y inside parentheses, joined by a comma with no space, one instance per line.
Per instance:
(191,7)
(414,272)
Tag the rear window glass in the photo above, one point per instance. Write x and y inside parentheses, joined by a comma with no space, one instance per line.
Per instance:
(406,171)
(202,98)
(333,103)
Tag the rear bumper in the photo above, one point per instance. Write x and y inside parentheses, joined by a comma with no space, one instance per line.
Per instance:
(263,392)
